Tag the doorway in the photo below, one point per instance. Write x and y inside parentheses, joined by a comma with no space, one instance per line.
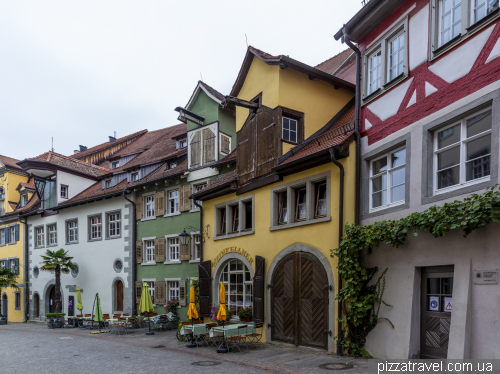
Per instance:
(5,306)
(299,301)
(52,300)
(437,305)
(119,296)
(36,306)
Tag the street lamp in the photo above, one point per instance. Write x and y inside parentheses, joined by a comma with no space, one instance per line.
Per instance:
(184,238)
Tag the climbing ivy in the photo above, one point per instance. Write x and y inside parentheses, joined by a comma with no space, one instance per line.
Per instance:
(361,300)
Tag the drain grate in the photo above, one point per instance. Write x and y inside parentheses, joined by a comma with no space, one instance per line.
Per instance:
(206,363)
(158,346)
(336,366)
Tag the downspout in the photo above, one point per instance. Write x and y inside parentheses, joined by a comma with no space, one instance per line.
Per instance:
(133,254)
(26,267)
(341,231)
(201,229)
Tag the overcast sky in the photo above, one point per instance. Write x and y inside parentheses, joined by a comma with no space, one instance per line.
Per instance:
(80,70)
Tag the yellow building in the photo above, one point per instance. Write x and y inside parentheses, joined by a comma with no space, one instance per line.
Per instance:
(271,224)
(11,235)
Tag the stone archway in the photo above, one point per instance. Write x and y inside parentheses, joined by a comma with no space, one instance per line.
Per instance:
(118,295)
(319,277)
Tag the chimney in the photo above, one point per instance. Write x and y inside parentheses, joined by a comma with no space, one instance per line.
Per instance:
(112,139)
(83,148)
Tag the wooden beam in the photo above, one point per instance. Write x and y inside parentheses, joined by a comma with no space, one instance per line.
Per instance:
(240,102)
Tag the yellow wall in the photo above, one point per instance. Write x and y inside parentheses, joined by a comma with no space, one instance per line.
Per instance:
(9,182)
(322,236)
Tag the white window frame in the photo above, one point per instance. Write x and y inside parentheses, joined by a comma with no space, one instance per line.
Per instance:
(51,234)
(151,288)
(167,202)
(244,284)
(169,259)
(115,164)
(371,69)
(145,248)
(221,135)
(290,131)
(387,155)
(389,54)
(167,290)
(39,237)
(147,204)
(24,200)
(463,152)
(12,235)
(133,175)
(193,243)
(2,236)
(70,230)
(110,223)
(64,191)
(473,10)
(195,188)
(453,22)
(95,227)
(182,143)
(107,183)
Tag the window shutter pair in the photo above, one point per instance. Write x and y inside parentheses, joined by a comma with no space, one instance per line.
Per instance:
(17,232)
(160,203)
(138,252)
(208,146)
(205,287)
(160,292)
(184,200)
(138,291)
(259,290)
(184,254)
(195,146)
(138,207)
(182,293)
(160,250)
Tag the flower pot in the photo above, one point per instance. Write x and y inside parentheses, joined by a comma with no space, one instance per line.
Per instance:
(246,319)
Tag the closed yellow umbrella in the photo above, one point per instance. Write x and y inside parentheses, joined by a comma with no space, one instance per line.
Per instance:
(146,305)
(192,312)
(221,315)
(79,306)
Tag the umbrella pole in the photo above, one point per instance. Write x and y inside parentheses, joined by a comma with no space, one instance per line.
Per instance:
(98,315)
(223,348)
(150,332)
(192,344)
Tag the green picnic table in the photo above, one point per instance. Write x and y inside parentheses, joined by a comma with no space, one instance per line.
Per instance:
(195,329)
(230,331)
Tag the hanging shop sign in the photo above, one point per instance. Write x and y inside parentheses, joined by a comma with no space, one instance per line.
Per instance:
(486,276)
(227,250)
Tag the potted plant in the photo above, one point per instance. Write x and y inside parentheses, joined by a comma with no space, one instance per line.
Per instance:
(215,311)
(245,314)
(54,319)
(231,310)
(171,306)
(3,320)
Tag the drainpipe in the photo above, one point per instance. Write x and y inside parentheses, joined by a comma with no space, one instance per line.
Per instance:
(201,229)
(333,158)
(134,237)
(26,267)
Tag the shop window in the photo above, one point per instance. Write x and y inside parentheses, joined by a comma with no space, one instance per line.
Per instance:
(238,284)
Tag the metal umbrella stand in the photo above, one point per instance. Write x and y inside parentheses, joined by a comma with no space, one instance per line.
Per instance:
(192,344)
(149,319)
(223,348)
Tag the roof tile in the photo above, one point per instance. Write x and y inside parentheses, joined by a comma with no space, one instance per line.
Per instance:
(70,163)
(10,162)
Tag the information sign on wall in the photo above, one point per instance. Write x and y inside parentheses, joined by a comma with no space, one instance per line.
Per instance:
(486,276)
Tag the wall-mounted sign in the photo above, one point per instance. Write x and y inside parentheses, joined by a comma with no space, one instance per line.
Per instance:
(434,303)
(486,276)
(227,250)
(448,304)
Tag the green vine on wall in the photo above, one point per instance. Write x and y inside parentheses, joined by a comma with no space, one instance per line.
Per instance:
(361,300)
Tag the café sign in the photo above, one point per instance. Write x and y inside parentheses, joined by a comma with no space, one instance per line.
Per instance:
(227,250)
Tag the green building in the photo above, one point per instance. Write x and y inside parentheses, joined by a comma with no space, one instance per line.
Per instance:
(164,209)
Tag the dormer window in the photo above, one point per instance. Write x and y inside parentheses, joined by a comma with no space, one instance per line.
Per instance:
(173,165)
(115,165)
(107,184)
(182,143)
(24,200)
(134,177)
(290,129)
(64,191)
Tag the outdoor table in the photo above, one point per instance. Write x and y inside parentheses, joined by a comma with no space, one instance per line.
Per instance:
(194,329)
(230,331)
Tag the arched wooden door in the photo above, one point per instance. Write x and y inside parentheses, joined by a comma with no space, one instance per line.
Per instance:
(299,301)
(119,296)
(36,311)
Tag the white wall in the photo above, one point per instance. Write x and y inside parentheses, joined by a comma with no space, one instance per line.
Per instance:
(75,183)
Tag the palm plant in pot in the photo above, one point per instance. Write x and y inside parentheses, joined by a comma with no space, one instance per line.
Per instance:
(245,314)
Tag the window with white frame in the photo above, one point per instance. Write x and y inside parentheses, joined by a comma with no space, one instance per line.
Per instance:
(39,236)
(290,129)
(2,264)
(149,251)
(183,143)
(387,179)
(64,191)
(151,288)
(196,248)
(13,266)
(115,165)
(72,231)
(24,200)
(396,56)
(225,144)
(2,236)
(173,202)
(481,8)
(173,249)
(450,20)
(238,284)
(149,206)
(52,234)
(283,207)
(12,234)
(134,177)
(462,151)
(173,290)
(107,184)
(320,200)
(375,71)
(113,224)
(95,228)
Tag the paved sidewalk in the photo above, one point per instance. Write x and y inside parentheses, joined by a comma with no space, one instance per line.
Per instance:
(276,358)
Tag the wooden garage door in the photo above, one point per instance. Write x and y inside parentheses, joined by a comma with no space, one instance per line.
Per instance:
(299,301)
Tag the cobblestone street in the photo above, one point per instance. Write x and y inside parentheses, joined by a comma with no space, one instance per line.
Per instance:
(33,348)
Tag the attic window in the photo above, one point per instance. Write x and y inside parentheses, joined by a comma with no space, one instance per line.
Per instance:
(182,143)
(115,165)
(172,165)
(64,191)
(24,200)
(107,184)
(290,129)
(134,177)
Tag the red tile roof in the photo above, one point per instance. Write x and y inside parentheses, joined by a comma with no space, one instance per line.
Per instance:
(105,145)
(217,182)
(70,163)
(348,71)
(9,162)
(27,186)
(333,63)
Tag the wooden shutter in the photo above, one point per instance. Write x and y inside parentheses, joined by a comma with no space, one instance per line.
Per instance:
(205,287)
(17,265)
(138,208)
(17,232)
(225,146)
(7,235)
(138,291)
(267,142)
(160,292)
(259,290)
(184,253)
(195,150)
(160,250)
(182,293)
(184,200)
(160,203)
(245,166)
(208,146)
(138,252)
